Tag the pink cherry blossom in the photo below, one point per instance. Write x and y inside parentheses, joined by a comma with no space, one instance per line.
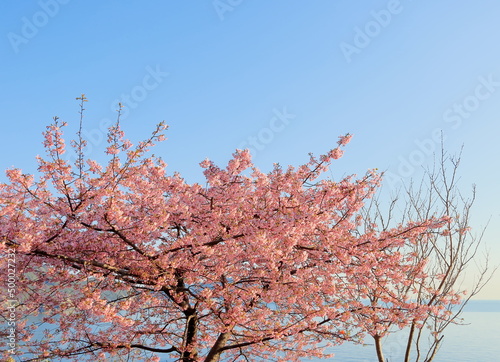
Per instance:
(126,258)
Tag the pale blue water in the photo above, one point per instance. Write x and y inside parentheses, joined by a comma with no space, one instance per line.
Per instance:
(479,341)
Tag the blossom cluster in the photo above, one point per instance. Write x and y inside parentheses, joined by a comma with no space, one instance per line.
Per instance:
(125,258)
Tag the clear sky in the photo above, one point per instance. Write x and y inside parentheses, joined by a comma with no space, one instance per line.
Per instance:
(284,77)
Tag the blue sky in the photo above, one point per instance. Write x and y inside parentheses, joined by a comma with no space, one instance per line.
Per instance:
(284,77)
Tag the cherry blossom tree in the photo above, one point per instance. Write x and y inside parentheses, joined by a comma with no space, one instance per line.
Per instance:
(124,260)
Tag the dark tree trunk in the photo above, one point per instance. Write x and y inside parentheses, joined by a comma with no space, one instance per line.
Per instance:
(190,354)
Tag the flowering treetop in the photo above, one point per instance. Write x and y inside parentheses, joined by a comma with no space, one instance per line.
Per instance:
(124,259)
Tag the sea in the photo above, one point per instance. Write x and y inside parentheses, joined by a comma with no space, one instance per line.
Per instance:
(477,340)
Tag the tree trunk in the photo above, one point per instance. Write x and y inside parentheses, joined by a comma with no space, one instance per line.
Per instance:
(215,351)
(378,346)
(190,354)
(408,344)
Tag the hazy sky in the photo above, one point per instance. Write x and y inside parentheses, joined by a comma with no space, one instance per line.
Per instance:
(284,78)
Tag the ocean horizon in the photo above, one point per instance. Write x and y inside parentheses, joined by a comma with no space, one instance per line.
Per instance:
(476,340)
